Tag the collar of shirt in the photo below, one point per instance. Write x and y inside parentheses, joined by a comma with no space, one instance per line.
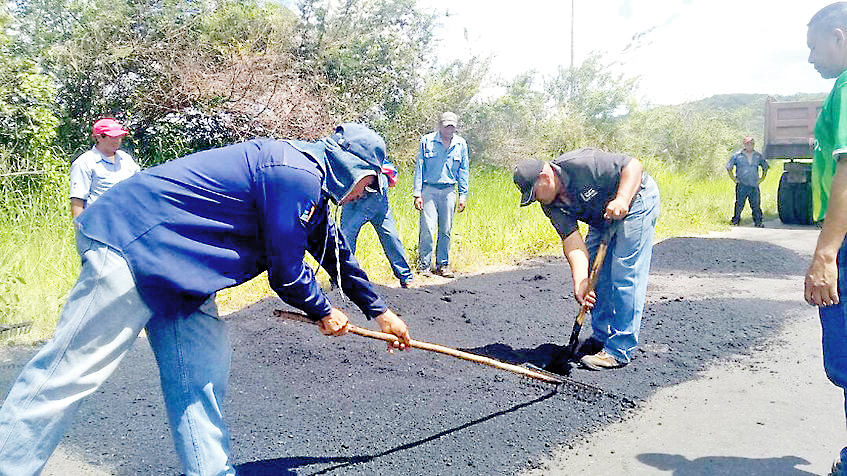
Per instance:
(440,140)
(103,157)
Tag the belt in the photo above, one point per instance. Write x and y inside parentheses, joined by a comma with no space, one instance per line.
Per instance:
(440,185)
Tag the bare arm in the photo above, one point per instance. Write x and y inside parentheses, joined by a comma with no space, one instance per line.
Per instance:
(627,188)
(576,253)
(821,284)
(77,206)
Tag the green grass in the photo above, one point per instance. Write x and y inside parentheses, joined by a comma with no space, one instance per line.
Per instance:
(38,260)
(39,263)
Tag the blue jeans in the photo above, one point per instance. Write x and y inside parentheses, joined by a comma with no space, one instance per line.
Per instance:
(101,320)
(439,202)
(834,330)
(374,208)
(622,285)
(744,193)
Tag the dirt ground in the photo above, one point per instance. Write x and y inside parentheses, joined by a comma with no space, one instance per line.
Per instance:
(303,404)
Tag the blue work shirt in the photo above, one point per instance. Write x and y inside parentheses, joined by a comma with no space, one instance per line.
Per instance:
(218,218)
(437,166)
(747,172)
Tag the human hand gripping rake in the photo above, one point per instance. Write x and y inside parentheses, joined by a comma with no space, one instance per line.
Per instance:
(432,348)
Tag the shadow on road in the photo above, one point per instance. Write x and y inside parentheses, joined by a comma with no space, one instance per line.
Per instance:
(711,465)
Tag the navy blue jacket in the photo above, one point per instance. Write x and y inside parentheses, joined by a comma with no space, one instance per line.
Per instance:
(217,218)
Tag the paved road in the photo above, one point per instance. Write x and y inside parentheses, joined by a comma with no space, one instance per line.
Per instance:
(711,405)
(772,412)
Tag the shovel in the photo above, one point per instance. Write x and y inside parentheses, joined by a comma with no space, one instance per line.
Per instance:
(433,348)
(559,364)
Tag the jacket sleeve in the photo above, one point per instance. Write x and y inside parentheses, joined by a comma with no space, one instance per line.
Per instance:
(416,191)
(731,162)
(80,180)
(330,249)
(288,200)
(464,171)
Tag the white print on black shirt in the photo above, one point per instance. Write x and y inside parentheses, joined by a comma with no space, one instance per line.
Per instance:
(587,195)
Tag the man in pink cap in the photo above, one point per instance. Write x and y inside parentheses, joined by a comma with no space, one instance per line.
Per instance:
(98,169)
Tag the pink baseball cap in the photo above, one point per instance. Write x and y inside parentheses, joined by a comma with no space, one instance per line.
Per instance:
(108,127)
(748,139)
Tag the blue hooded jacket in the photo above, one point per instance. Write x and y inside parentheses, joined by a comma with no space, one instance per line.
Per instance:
(217,218)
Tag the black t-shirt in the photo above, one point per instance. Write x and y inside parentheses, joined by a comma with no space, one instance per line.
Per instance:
(592,178)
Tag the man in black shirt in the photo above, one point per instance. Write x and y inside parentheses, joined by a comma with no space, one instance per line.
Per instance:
(600,189)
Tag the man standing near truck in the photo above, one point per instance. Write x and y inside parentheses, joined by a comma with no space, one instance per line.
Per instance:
(746,177)
(825,279)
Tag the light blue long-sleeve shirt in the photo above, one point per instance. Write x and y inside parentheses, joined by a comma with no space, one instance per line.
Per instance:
(437,166)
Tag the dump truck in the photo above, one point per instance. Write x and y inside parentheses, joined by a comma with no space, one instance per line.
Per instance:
(790,136)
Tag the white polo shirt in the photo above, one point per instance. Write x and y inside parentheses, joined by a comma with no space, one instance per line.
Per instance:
(92,173)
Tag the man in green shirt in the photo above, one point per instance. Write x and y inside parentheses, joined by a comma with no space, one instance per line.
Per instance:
(825,280)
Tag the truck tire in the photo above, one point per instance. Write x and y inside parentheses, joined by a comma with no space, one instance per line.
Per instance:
(794,202)
(785,201)
(803,203)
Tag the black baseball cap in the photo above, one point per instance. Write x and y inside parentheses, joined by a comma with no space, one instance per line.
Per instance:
(526,173)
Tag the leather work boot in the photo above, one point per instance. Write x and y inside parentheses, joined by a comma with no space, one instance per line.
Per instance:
(445,272)
(600,361)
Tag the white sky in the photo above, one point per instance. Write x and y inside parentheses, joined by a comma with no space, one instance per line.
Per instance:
(696,48)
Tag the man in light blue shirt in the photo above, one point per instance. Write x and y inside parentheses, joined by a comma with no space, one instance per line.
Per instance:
(746,177)
(442,163)
(98,169)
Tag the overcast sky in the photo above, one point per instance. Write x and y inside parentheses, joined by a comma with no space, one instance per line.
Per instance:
(691,49)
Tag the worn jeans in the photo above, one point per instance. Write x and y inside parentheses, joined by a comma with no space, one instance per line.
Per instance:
(744,193)
(439,202)
(101,320)
(834,330)
(374,208)
(622,285)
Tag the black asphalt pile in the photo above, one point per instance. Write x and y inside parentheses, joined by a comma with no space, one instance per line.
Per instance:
(301,403)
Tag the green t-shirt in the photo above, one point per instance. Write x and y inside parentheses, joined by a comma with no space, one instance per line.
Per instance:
(830,141)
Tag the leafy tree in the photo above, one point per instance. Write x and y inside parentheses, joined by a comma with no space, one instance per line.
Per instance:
(505,128)
(371,53)
(27,121)
(682,137)
(593,92)
(452,87)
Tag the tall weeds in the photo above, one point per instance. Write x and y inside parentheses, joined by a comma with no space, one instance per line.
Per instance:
(38,259)
(39,263)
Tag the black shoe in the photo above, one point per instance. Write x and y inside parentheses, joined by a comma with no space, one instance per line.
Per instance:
(734,222)
(760,225)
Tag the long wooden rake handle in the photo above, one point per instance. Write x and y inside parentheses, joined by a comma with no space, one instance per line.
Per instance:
(430,347)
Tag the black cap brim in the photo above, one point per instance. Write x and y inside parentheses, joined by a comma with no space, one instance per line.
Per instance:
(526,173)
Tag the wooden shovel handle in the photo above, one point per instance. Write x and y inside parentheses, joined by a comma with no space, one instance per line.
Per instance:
(430,347)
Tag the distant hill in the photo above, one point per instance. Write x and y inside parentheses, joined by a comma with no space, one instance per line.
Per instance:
(745,111)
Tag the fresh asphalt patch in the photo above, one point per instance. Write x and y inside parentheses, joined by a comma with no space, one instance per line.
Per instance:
(300,403)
